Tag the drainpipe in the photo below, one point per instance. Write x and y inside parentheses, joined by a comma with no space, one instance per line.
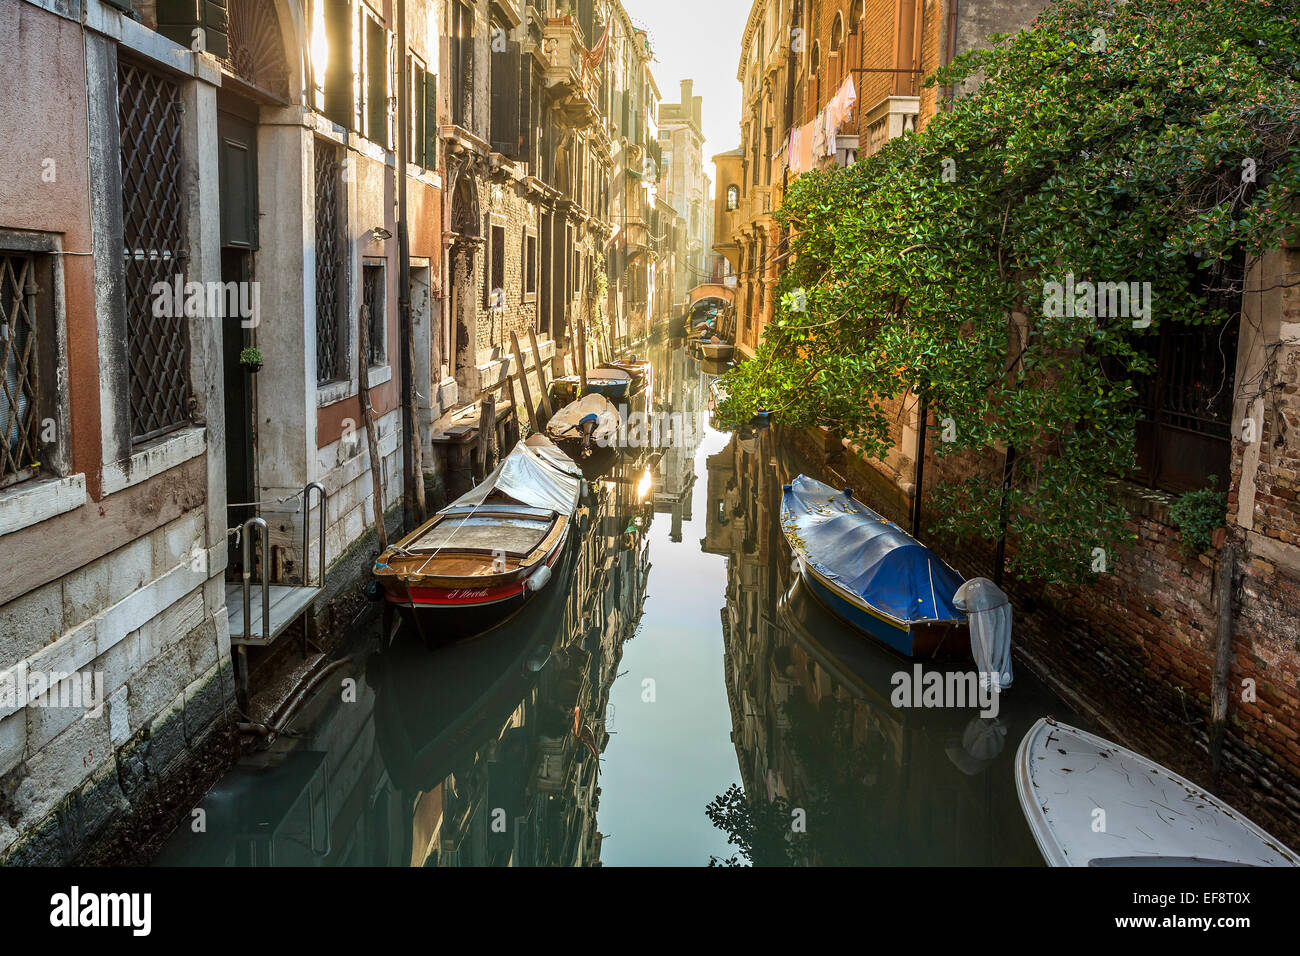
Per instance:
(412,450)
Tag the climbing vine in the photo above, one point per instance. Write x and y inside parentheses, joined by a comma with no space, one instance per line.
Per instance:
(1115,171)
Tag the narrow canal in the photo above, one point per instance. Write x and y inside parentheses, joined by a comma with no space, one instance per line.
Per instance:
(675,664)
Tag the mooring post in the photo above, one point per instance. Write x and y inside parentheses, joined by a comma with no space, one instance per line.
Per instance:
(1222,656)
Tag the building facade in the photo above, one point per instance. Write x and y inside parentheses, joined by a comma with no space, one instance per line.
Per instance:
(268,230)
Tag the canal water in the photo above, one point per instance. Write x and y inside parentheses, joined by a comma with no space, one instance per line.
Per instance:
(674,697)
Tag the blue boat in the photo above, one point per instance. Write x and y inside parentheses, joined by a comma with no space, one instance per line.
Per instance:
(872,573)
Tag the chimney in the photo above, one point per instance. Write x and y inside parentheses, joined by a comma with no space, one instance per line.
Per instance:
(688,87)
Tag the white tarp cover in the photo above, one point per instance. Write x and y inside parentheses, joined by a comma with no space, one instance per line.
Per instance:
(567,422)
(536,474)
(989,611)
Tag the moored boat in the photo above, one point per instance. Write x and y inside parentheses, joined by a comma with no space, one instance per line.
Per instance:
(1152,816)
(717,351)
(872,573)
(588,432)
(479,560)
(613,383)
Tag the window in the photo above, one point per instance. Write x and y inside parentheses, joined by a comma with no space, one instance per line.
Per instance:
(333,27)
(329,263)
(530,265)
(372,119)
(1185,407)
(373,296)
(424,115)
(494,271)
(505,105)
(733,197)
(28,352)
(153,242)
(462,64)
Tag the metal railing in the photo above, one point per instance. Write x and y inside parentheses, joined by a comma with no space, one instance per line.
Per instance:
(306,532)
(246,550)
(246,545)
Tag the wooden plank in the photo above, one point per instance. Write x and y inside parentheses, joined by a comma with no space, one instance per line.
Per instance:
(523,381)
(541,374)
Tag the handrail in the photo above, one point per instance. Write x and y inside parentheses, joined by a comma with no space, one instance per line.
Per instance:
(306,532)
(246,550)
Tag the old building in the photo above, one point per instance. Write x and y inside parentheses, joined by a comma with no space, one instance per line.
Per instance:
(688,188)
(253,208)
(1141,641)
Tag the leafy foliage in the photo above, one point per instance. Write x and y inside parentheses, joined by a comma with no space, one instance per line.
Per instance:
(1141,141)
(1196,515)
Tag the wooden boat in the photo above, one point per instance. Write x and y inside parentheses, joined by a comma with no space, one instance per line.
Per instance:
(1153,817)
(717,351)
(872,573)
(479,560)
(613,383)
(639,370)
(588,432)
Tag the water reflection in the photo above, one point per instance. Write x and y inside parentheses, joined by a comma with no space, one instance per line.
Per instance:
(833,772)
(498,751)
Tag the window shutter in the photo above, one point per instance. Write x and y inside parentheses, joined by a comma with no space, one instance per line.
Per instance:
(430,121)
(339,23)
(505,106)
(525,150)
(177,20)
(376,83)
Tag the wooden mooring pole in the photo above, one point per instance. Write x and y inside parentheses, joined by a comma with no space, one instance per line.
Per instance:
(367,413)
(523,381)
(1222,657)
(541,374)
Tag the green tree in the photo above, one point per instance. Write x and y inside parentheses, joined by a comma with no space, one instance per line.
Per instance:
(1148,141)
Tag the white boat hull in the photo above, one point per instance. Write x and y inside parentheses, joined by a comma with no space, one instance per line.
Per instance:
(1090,802)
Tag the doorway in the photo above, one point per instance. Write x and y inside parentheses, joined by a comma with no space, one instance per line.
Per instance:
(237,133)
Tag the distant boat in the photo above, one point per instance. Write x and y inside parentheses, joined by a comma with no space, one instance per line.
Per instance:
(717,351)
(639,370)
(872,573)
(613,383)
(479,560)
(1153,817)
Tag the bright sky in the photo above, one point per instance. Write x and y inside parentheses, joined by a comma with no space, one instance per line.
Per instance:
(700,40)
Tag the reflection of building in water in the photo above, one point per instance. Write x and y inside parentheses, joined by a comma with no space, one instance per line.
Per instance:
(679,388)
(813,721)
(485,753)
(523,788)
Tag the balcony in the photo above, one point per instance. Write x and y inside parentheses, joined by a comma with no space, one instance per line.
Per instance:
(574,90)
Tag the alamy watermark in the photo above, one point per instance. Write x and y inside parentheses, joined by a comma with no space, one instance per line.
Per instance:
(210,300)
(1096,300)
(943,689)
(82,690)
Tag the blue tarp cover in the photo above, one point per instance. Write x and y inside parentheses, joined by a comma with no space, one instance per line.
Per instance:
(867,555)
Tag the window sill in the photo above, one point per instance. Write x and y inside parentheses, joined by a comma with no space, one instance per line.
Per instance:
(154,458)
(33,501)
(334,392)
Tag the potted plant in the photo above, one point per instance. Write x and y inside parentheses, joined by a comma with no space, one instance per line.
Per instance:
(251,360)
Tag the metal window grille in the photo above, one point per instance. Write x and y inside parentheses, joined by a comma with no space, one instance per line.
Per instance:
(372,294)
(328,264)
(158,347)
(19,381)
(1185,407)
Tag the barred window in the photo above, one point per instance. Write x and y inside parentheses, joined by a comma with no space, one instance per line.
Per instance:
(153,227)
(20,382)
(329,264)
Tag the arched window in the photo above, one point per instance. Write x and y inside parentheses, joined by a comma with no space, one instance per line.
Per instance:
(837,34)
(856,14)
(733,197)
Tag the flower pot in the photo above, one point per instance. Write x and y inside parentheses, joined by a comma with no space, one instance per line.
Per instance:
(252,368)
